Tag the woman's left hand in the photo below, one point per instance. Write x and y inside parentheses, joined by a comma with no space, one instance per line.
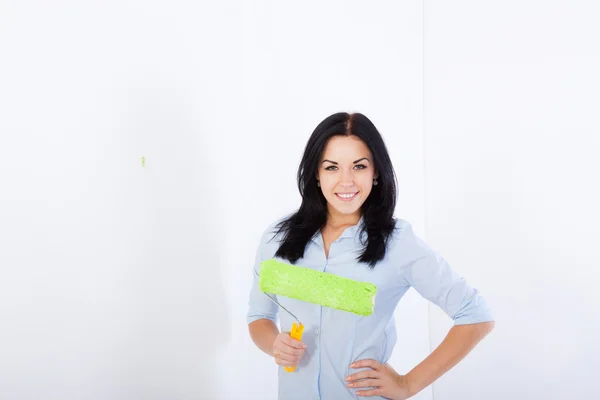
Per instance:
(381,379)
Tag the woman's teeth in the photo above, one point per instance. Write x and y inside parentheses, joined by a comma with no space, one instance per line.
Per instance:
(346,196)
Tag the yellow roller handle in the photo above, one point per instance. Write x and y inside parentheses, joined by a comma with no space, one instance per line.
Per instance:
(296,333)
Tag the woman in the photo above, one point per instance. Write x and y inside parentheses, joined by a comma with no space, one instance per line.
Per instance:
(345,226)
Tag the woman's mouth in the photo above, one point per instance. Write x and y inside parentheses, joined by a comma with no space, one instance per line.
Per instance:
(346,196)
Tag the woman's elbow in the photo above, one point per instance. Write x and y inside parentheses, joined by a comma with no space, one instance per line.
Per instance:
(484,328)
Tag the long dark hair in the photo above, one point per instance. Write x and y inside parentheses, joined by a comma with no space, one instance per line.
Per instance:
(377,211)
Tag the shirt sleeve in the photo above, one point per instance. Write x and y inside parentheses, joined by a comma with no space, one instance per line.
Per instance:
(259,305)
(432,277)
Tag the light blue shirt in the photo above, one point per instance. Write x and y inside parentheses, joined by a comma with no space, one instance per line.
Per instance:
(336,338)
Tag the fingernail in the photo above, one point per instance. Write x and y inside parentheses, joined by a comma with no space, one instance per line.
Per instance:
(352,365)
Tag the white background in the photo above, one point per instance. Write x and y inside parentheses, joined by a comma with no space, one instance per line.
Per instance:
(511,129)
(119,281)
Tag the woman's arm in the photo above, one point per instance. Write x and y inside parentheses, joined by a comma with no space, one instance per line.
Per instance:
(432,277)
(263,333)
(459,341)
(383,380)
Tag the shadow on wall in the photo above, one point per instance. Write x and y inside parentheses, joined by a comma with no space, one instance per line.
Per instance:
(181,318)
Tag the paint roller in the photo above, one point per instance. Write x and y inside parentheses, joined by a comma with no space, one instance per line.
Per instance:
(322,288)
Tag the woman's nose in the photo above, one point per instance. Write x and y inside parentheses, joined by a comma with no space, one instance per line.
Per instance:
(347,178)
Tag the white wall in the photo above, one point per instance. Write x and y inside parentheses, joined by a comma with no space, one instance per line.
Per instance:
(511,137)
(126,282)
(110,285)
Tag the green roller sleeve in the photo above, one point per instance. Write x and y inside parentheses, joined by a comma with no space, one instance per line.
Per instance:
(317,287)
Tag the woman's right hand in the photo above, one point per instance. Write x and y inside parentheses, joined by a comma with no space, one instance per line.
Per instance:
(287,351)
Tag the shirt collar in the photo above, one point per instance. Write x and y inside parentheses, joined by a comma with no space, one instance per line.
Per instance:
(352,230)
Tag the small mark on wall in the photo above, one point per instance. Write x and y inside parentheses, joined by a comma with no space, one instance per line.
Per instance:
(143,161)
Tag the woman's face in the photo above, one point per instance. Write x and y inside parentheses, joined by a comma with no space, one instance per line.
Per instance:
(346,172)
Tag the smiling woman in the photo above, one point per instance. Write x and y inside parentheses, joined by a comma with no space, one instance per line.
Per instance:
(346,184)
(345,174)
(345,225)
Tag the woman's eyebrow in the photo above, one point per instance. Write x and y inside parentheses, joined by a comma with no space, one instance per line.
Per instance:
(354,162)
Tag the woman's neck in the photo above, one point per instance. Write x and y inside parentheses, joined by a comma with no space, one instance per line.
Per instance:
(338,221)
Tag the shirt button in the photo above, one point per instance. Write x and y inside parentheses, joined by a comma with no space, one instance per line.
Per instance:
(317,331)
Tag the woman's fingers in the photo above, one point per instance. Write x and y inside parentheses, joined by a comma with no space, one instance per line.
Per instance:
(371,392)
(287,351)
(291,342)
(367,363)
(287,356)
(290,351)
(369,382)
(287,360)
(368,373)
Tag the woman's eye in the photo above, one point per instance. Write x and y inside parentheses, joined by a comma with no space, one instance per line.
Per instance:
(333,167)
